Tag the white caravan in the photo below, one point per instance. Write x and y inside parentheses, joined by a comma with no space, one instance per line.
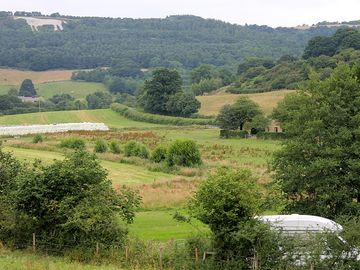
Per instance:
(301,224)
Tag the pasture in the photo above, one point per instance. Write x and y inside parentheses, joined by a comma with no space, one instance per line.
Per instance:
(107,116)
(211,104)
(78,90)
(15,77)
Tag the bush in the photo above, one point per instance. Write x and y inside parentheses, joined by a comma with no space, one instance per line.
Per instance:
(136,149)
(183,153)
(226,134)
(73,143)
(271,135)
(37,138)
(100,146)
(114,147)
(135,115)
(159,154)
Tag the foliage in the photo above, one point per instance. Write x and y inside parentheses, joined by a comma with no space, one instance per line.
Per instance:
(136,149)
(183,153)
(227,202)
(114,147)
(124,44)
(271,135)
(27,89)
(226,134)
(73,143)
(159,154)
(182,104)
(71,203)
(343,38)
(253,62)
(319,164)
(63,102)
(99,100)
(158,92)
(235,116)
(159,119)
(100,146)
(37,138)
(206,86)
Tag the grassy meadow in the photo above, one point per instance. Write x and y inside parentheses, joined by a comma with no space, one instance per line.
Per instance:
(10,76)
(79,90)
(211,104)
(107,116)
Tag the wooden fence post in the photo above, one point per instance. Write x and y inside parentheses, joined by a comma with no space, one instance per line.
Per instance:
(196,255)
(33,242)
(161,257)
(126,253)
(312,266)
(97,248)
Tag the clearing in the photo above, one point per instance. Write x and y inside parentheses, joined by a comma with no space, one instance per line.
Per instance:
(211,104)
(15,77)
(107,116)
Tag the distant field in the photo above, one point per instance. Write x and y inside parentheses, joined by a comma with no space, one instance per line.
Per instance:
(78,90)
(107,116)
(160,225)
(75,89)
(211,104)
(15,77)
(120,174)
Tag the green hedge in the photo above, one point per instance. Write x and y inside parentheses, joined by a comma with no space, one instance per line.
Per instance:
(135,115)
(226,134)
(249,91)
(271,135)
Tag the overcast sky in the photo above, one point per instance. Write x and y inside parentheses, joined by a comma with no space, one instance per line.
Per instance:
(270,12)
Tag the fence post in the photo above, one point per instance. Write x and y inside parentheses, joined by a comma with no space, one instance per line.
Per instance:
(161,257)
(196,255)
(33,242)
(97,248)
(311,266)
(126,252)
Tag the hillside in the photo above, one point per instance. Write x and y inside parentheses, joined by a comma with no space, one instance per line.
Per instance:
(107,116)
(174,41)
(211,104)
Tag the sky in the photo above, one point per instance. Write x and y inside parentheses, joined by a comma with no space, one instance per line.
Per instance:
(272,12)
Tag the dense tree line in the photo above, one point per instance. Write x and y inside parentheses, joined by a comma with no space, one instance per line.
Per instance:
(342,39)
(186,41)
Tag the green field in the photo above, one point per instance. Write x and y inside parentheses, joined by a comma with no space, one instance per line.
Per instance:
(78,90)
(107,116)
(16,260)
(160,225)
(119,173)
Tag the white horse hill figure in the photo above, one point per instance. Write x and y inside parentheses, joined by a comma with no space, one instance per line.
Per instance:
(36,22)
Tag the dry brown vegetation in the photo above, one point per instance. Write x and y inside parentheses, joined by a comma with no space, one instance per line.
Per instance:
(15,77)
(211,104)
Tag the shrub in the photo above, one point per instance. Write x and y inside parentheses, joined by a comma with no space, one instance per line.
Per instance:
(183,153)
(37,138)
(226,134)
(271,135)
(136,149)
(73,143)
(114,147)
(159,154)
(135,115)
(100,146)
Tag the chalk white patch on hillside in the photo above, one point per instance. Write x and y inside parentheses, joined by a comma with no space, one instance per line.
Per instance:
(36,22)
(54,128)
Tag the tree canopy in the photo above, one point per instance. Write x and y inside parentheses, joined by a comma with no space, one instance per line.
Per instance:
(319,165)
(235,116)
(27,89)
(67,203)
(163,94)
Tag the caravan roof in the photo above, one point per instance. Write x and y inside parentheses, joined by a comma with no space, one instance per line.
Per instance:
(293,224)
